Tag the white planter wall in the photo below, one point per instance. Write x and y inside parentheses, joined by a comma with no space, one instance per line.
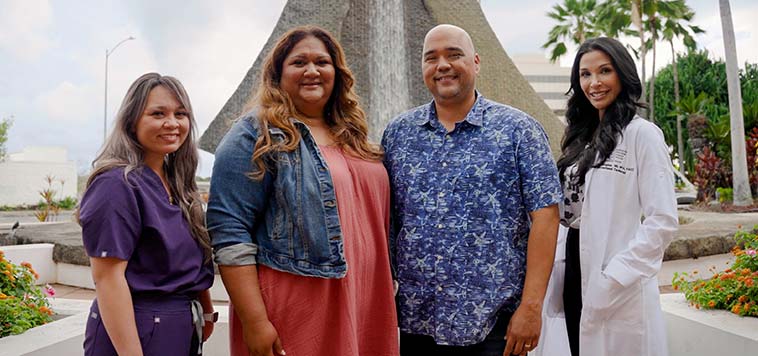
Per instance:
(39,255)
(66,336)
(694,332)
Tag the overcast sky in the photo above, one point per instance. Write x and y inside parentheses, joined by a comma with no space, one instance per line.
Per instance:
(52,55)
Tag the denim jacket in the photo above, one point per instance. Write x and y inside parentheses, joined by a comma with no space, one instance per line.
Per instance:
(287,221)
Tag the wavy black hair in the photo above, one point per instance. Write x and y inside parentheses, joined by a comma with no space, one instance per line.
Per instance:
(588,141)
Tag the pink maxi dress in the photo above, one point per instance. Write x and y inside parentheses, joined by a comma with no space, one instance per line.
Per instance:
(351,316)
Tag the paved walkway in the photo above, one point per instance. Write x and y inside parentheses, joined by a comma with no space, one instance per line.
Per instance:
(69,292)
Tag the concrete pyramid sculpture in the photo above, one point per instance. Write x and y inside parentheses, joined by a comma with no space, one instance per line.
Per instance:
(383,41)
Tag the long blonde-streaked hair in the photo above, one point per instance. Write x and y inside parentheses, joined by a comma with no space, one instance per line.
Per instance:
(343,115)
(122,149)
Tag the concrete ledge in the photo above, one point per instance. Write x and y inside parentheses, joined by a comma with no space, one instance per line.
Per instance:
(694,332)
(66,336)
(707,234)
(694,248)
(75,275)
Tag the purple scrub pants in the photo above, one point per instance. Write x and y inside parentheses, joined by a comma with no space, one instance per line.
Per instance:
(164,326)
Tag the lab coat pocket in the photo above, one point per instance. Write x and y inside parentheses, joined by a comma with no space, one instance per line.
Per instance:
(624,337)
(612,301)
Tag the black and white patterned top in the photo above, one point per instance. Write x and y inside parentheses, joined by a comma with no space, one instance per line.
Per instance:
(573,197)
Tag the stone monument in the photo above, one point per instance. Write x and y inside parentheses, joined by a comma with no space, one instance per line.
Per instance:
(383,41)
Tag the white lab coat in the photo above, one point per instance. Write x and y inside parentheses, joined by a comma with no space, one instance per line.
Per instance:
(619,256)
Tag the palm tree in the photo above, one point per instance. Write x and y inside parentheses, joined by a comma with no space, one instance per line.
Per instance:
(636,17)
(740,182)
(652,11)
(672,29)
(576,23)
(614,18)
(666,18)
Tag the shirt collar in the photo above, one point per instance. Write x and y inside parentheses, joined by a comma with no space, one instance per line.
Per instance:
(474,116)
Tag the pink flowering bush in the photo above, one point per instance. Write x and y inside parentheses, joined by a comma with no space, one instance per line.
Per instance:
(23,305)
(735,289)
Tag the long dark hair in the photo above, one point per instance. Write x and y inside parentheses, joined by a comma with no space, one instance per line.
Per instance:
(587,137)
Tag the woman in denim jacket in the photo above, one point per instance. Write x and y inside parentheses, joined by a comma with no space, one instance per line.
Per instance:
(299,212)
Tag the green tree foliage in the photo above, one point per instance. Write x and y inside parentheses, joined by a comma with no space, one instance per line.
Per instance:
(578,20)
(667,20)
(749,81)
(5,126)
(697,74)
(576,23)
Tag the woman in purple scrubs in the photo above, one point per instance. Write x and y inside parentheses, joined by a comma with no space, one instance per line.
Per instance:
(143,228)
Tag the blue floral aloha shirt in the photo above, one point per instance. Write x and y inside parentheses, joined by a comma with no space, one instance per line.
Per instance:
(460,224)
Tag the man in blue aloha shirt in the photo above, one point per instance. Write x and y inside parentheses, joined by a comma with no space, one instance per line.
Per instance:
(473,185)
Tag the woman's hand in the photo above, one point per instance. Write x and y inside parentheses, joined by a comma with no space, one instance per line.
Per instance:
(244,290)
(205,301)
(207,330)
(262,339)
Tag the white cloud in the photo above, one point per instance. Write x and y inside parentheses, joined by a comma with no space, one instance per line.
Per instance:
(23,27)
(69,102)
(57,96)
(520,29)
(744,30)
(212,57)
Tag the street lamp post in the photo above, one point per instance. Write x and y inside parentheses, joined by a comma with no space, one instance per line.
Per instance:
(105,106)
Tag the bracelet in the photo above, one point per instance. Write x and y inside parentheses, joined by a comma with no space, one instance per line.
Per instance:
(211,317)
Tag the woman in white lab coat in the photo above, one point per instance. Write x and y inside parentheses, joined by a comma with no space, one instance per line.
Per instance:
(615,169)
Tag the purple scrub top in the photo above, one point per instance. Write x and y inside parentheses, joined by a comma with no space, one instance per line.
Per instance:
(134,221)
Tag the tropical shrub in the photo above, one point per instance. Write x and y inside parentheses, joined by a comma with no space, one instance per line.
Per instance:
(713,169)
(751,146)
(735,289)
(5,126)
(710,174)
(49,207)
(23,305)
(700,76)
(726,195)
